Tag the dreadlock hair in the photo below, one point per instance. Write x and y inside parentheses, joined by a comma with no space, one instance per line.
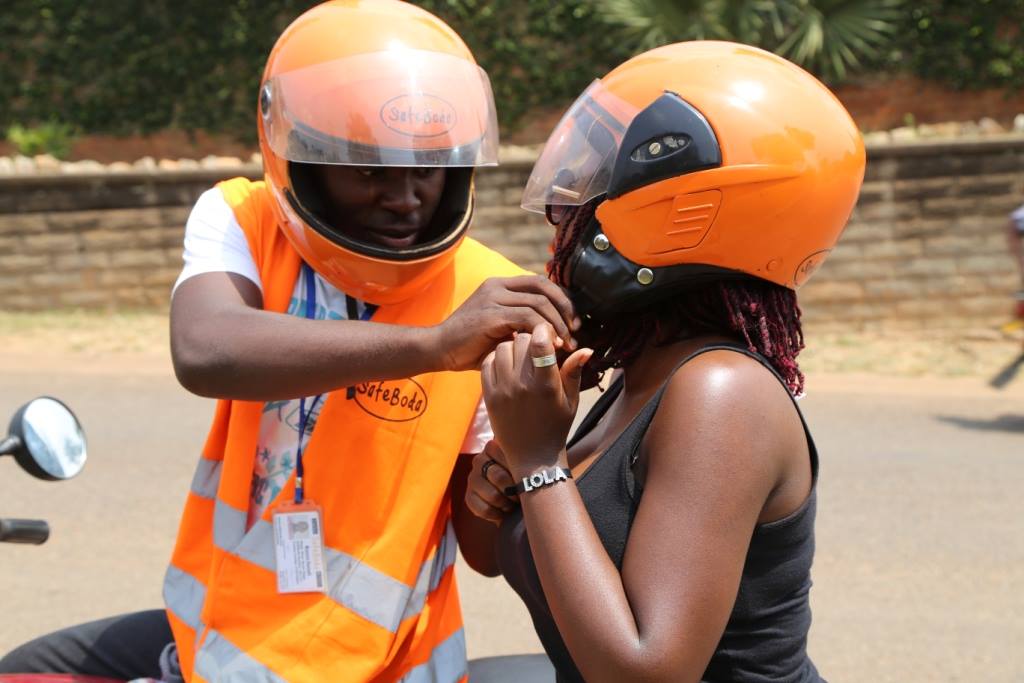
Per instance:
(763,315)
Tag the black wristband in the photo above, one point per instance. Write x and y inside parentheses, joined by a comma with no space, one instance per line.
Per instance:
(540,479)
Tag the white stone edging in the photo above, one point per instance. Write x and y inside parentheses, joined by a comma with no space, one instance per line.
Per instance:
(911,140)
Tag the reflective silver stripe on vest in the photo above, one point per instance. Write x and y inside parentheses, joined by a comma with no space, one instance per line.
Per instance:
(184,596)
(447,662)
(228,527)
(432,571)
(258,544)
(219,661)
(371,594)
(207,478)
(379,598)
(447,549)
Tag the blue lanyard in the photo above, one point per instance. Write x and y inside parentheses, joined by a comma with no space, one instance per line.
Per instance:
(368,311)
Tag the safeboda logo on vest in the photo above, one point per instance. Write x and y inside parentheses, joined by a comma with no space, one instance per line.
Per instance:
(395,401)
(420,115)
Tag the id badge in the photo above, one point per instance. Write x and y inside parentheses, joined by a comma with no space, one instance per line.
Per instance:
(299,548)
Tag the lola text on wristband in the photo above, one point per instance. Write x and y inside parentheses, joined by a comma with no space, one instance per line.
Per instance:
(539,479)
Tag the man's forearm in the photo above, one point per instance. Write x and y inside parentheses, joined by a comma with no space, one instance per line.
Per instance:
(255,355)
(225,345)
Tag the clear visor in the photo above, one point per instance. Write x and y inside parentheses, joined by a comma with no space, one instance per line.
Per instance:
(576,163)
(397,107)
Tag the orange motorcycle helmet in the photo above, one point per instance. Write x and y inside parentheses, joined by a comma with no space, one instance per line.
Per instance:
(707,160)
(373,83)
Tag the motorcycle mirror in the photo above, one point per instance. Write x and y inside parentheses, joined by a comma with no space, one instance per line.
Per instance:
(46,439)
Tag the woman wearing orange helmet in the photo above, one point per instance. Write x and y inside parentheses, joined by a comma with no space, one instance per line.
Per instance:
(694,189)
(318,537)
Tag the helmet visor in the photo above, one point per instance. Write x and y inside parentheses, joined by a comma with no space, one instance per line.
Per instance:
(397,107)
(576,163)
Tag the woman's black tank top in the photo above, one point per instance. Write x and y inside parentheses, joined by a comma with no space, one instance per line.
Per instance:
(765,640)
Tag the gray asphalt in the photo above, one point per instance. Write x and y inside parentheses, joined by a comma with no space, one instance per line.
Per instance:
(919,574)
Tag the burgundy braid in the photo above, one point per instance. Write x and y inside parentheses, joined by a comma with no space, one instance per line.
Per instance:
(770,312)
(565,240)
(762,314)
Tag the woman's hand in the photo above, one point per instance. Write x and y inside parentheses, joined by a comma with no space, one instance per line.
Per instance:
(485,490)
(531,408)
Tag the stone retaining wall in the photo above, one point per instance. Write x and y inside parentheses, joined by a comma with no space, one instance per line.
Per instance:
(926,246)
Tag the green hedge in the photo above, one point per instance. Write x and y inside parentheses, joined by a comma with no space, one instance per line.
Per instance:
(143,65)
(139,66)
(972,44)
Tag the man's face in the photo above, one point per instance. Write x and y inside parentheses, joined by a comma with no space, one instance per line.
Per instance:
(382,205)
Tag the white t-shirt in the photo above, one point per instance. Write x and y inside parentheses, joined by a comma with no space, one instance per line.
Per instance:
(1018,219)
(214,242)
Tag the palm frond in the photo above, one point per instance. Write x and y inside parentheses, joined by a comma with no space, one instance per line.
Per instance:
(649,23)
(827,36)
(833,36)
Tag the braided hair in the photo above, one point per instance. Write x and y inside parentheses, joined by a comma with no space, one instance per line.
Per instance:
(763,315)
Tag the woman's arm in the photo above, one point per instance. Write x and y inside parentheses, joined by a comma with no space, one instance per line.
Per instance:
(711,465)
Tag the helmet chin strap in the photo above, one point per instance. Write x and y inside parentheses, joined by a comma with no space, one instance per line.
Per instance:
(603,282)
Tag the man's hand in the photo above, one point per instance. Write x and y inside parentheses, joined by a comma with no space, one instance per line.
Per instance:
(499,307)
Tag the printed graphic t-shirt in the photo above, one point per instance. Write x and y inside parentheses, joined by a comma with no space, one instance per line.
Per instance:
(214,242)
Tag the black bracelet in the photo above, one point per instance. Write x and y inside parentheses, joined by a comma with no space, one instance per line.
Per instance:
(540,479)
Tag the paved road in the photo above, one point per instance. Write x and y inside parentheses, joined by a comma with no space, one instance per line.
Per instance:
(919,573)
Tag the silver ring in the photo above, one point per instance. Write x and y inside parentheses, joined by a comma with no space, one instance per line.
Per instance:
(543,361)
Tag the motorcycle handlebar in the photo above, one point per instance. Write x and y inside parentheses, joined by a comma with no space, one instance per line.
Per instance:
(34,531)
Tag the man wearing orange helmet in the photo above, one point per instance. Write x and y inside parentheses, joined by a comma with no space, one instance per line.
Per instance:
(340,293)
(693,189)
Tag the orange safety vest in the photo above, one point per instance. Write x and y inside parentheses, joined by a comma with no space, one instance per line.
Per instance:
(378,465)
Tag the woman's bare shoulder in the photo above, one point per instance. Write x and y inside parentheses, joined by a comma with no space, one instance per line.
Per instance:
(728,407)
